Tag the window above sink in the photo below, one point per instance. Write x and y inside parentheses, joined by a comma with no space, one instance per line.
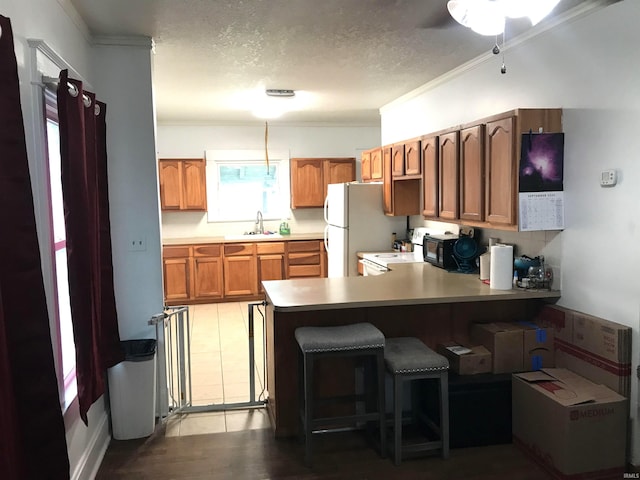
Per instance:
(239,184)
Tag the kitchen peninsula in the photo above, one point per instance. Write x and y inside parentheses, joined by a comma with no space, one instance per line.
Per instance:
(415,299)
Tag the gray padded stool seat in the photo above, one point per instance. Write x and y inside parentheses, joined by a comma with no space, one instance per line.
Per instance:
(361,340)
(408,359)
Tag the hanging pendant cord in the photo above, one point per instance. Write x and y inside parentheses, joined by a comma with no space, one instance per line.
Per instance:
(266,141)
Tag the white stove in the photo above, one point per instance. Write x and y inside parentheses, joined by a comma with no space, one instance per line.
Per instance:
(378,263)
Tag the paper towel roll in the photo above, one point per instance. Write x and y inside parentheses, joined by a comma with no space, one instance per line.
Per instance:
(485,266)
(501,272)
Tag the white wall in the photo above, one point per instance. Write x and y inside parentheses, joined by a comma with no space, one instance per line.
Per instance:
(588,67)
(134,198)
(300,141)
(123,81)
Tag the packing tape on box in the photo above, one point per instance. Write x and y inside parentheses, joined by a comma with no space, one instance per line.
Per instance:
(541,333)
(536,362)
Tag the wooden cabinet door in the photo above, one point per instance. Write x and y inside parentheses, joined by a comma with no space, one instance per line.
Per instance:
(472,173)
(170,176)
(194,185)
(207,272)
(448,163)
(376,165)
(500,165)
(365,166)
(387,194)
(397,160)
(177,279)
(271,262)
(270,267)
(240,276)
(307,183)
(182,184)
(338,170)
(430,179)
(412,158)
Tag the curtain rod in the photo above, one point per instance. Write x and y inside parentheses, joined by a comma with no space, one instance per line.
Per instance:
(73,90)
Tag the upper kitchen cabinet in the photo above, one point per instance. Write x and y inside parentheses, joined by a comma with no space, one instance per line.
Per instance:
(310,177)
(371,165)
(430,175)
(182,184)
(448,155)
(397,160)
(406,159)
(472,173)
(401,194)
(502,153)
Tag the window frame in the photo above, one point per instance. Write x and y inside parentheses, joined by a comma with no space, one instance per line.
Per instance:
(67,384)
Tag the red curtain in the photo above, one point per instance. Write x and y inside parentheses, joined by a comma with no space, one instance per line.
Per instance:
(86,206)
(32,432)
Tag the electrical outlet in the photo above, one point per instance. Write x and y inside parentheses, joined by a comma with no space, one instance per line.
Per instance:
(608,178)
(137,244)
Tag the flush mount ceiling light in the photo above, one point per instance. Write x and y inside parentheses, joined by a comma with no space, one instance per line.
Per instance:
(487,17)
(276,103)
(275,92)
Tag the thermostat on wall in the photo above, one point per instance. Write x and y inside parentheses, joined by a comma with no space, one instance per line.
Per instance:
(608,178)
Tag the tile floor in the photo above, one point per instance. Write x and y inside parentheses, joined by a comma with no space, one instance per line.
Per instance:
(220,370)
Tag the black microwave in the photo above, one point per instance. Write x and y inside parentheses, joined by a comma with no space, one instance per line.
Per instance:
(438,250)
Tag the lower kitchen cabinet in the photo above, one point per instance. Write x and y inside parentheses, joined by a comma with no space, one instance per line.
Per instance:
(305,259)
(207,269)
(240,269)
(217,272)
(271,262)
(176,269)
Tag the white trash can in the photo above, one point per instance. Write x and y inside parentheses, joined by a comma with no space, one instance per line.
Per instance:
(132,391)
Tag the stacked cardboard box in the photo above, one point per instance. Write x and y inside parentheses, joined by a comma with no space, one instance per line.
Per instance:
(466,360)
(595,348)
(516,347)
(572,427)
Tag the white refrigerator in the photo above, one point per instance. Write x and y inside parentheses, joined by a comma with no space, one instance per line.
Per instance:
(356,222)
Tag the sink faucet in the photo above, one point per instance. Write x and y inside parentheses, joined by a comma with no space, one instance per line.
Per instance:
(259,225)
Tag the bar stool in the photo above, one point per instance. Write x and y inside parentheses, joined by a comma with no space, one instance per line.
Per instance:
(361,340)
(408,359)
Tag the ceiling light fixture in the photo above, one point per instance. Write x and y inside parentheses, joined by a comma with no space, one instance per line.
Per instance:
(487,17)
(274,92)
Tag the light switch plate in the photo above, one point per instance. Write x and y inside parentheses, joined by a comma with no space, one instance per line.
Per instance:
(608,178)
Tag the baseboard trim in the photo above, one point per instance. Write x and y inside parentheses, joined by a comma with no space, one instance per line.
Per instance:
(87,467)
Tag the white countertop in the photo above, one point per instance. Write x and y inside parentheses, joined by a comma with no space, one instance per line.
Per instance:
(405,284)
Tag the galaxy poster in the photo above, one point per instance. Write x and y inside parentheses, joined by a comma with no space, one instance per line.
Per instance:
(541,162)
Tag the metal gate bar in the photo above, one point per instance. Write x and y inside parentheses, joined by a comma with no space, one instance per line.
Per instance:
(173,326)
(174,372)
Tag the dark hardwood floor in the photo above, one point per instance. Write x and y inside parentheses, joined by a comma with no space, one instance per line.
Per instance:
(256,454)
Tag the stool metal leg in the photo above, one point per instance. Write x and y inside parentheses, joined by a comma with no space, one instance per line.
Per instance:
(308,407)
(444,413)
(397,419)
(381,404)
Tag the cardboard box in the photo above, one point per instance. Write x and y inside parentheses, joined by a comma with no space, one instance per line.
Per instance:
(538,349)
(504,341)
(572,427)
(476,360)
(593,347)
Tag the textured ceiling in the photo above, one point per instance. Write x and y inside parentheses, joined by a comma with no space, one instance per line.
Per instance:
(346,58)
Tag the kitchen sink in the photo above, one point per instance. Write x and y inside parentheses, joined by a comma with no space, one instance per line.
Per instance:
(253,236)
